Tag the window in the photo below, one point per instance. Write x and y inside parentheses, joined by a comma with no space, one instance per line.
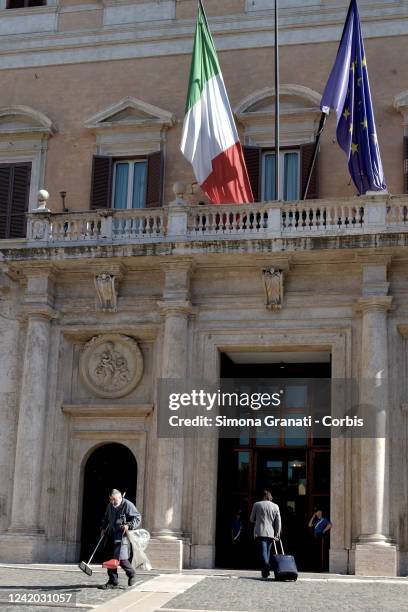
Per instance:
(129,184)
(288,175)
(15,4)
(124,183)
(294,167)
(14,192)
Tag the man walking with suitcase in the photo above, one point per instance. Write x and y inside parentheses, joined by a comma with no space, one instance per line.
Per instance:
(266,516)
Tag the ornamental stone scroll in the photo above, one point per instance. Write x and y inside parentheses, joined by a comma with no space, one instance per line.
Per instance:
(111,365)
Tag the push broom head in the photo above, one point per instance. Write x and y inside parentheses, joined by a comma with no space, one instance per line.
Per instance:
(85,568)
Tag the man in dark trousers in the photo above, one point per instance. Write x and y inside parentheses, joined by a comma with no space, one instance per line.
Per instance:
(266,516)
(120,517)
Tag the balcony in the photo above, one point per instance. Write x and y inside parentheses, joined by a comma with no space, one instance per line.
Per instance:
(180,222)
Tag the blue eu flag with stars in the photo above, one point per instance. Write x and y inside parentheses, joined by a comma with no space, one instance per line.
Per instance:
(348,93)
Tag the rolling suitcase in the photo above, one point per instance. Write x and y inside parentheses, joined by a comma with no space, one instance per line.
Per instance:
(283,566)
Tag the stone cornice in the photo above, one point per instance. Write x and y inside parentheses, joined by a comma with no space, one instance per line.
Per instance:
(18,256)
(299,25)
(108,410)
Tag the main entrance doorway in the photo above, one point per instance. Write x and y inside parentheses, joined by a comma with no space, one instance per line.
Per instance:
(111,466)
(295,470)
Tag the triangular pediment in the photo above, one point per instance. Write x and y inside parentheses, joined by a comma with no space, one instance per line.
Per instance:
(130,112)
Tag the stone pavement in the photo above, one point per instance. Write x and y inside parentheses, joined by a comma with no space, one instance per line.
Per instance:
(199,591)
(248,593)
(53,584)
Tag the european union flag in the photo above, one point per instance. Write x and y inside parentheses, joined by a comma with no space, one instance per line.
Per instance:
(348,93)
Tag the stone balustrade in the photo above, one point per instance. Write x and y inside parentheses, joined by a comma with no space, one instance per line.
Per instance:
(180,221)
(138,225)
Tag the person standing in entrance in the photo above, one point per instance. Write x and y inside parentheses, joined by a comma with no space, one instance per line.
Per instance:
(321,527)
(266,516)
(120,517)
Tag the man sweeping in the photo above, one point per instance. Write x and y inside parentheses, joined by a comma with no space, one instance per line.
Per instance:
(120,517)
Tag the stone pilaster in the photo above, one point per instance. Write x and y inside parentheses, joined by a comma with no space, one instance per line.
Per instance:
(175,309)
(375,553)
(27,525)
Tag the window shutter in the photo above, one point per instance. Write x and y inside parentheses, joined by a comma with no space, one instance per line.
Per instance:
(19,203)
(101,187)
(306,154)
(155,172)
(405,164)
(5,194)
(252,156)
(14,192)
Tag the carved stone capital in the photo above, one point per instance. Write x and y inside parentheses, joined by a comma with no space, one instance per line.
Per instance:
(374,303)
(177,276)
(273,280)
(174,307)
(37,311)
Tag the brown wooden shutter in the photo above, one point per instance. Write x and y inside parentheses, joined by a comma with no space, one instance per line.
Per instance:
(306,154)
(19,204)
(252,156)
(101,187)
(14,195)
(405,164)
(5,195)
(155,172)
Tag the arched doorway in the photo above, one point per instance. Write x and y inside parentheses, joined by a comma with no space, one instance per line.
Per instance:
(109,466)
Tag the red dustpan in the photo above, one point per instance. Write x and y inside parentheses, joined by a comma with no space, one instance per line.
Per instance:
(111,564)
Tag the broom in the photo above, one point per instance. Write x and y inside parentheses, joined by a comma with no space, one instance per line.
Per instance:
(85,566)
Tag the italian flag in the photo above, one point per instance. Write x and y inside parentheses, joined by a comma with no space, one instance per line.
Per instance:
(210,139)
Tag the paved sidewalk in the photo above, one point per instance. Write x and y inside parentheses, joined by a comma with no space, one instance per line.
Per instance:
(328,593)
(63,588)
(199,591)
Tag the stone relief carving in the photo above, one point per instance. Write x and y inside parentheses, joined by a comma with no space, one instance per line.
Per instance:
(38,230)
(111,365)
(107,290)
(273,285)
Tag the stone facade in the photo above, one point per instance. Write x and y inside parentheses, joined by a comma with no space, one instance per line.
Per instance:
(162,292)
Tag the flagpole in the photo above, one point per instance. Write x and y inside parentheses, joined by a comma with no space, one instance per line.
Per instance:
(277,135)
(323,118)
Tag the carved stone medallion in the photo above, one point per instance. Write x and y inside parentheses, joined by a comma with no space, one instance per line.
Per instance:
(111,365)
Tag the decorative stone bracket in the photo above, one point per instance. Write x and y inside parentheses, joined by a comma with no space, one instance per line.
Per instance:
(106,286)
(273,279)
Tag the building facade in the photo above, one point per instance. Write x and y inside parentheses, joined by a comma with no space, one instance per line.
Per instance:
(126,275)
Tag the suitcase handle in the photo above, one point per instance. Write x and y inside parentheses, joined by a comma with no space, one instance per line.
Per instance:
(276,551)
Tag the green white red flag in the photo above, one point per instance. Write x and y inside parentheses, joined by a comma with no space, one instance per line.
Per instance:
(210,139)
